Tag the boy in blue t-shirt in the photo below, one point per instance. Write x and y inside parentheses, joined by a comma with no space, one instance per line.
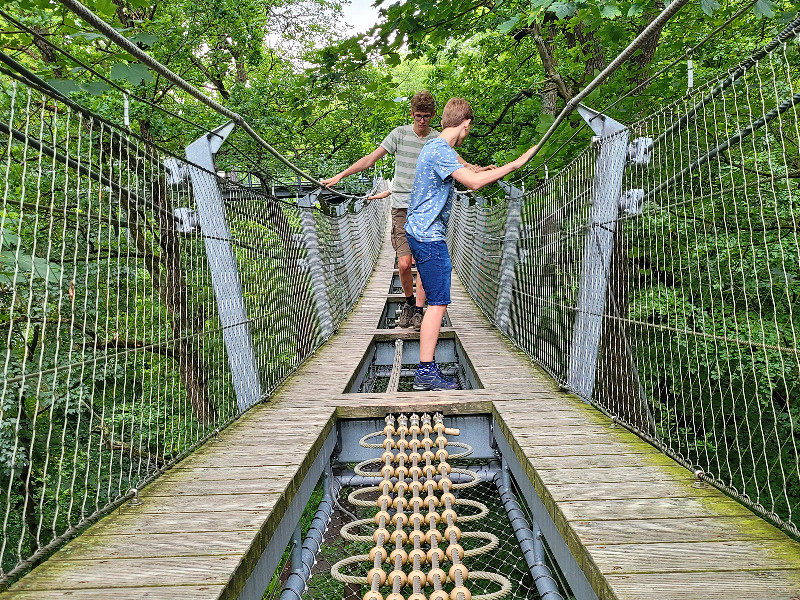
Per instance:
(426,226)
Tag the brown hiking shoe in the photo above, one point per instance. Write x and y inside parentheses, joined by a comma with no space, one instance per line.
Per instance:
(416,320)
(406,315)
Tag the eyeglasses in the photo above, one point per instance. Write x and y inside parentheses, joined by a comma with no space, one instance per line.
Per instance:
(419,117)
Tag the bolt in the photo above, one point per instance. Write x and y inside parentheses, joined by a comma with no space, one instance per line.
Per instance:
(135,500)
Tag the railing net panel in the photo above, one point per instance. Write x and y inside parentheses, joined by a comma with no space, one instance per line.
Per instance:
(698,348)
(115,365)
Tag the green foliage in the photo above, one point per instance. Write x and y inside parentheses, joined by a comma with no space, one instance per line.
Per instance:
(133,74)
(325,101)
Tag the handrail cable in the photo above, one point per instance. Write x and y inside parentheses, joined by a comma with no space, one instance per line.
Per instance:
(87,15)
(90,17)
(792,29)
(735,73)
(29,78)
(96,73)
(573,103)
(656,75)
(685,55)
(724,146)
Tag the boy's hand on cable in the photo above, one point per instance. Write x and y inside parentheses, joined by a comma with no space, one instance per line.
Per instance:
(383,194)
(525,157)
(331,181)
(478,168)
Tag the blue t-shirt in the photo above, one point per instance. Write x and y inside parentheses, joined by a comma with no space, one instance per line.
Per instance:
(431,195)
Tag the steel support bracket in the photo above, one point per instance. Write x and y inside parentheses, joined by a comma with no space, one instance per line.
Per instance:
(222,263)
(509,256)
(612,138)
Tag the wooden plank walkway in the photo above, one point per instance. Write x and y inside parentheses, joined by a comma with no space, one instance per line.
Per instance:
(629,515)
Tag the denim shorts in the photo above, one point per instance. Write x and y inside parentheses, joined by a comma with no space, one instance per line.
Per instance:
(434,266)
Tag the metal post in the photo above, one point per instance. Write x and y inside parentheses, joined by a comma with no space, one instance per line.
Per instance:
(345,239)
(327,483)
(509,258)
(505,474)
(315,264)
(222,262)
(613,140)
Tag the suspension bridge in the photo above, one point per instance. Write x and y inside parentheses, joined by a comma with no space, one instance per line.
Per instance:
(205,395)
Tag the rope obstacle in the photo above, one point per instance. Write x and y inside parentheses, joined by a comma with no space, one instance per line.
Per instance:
(421,467)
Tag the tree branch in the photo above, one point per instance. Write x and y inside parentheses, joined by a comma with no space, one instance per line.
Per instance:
(521,95)
(212,78)
(112,444)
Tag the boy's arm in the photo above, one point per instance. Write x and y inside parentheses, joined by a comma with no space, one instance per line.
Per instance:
(383,194)
(365,162)
(476,181)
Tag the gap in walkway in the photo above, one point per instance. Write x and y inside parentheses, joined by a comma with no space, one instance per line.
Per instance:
(389,367)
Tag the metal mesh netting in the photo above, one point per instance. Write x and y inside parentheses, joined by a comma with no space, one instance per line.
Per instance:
(506,559)
(674,308)
(116,363)
(478,230)
(360,526)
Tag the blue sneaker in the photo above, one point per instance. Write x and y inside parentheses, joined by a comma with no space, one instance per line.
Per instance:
(430,378)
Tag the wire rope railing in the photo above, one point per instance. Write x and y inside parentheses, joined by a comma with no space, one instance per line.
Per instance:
(656,276)
(119,311)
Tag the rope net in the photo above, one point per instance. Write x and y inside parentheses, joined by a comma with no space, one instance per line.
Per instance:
(657,277)
(417,521)
(115,363)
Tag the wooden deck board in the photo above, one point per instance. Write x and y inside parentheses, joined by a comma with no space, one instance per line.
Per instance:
(189,543)
(630,515)
(108,575)
(675,529)
(711,556)
(166,592)
(725,585)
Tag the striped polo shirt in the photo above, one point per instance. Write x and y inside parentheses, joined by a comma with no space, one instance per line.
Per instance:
(406,146)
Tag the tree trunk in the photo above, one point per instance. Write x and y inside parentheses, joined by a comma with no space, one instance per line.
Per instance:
(545,49)
(594,51)
(549,98)
(644,57)
(46,51)
(185,326)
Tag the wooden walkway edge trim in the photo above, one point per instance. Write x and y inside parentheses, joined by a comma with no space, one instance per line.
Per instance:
(255,552)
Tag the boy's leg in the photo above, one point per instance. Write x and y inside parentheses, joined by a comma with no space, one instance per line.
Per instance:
(404,265)
(416,320)
(429,332)
(420,294)
(434,268)
(406,278)
(403,251)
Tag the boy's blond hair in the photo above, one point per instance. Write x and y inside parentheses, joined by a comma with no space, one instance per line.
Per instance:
(423,101)
(455,112)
